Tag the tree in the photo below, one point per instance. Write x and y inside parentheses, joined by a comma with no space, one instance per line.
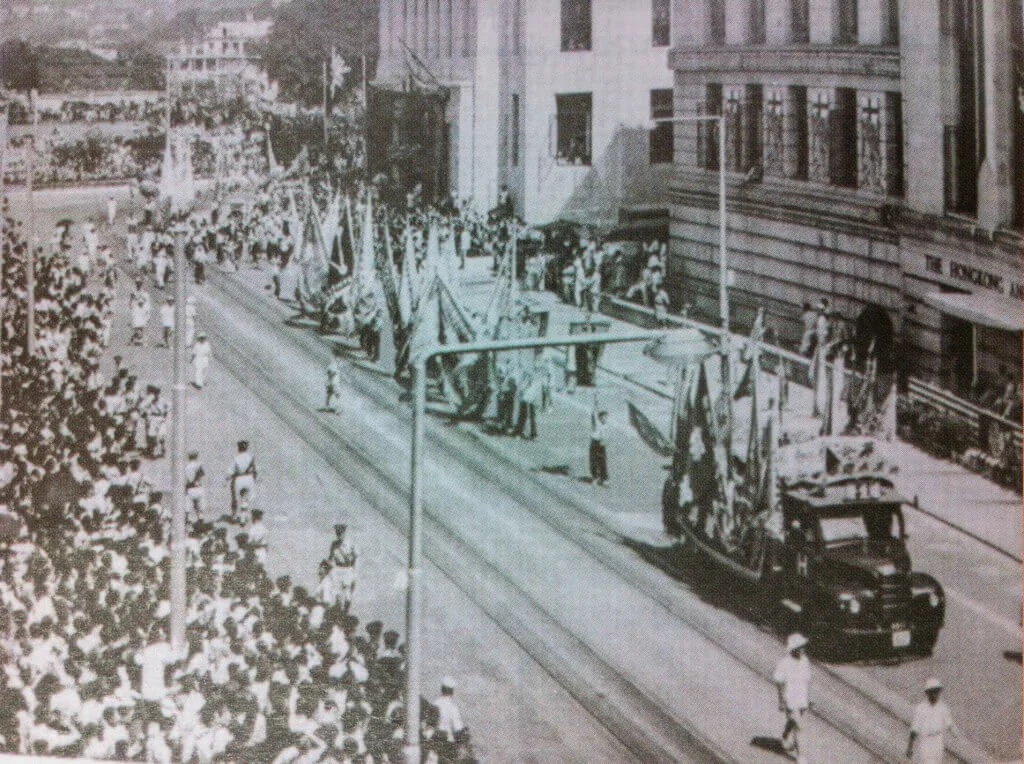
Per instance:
(302,37)
(147,69)
(19,65)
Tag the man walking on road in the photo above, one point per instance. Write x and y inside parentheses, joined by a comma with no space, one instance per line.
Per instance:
(932,720)
(792,680)
(449,720)
(333,383)
(242,475)
(201,353)
(194,474)
(140,310)
(598,450)
(167,321)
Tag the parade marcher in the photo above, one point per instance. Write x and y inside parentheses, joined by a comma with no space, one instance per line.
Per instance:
(257,531)
(191,310)
(450,727)
(242,475)
(140,310)
(201,353)
(194,474)
(156,423)
(465,242)
(275,275)
(526,424)
(808,319)
(333,383)
(167,321)
(111,209)
(342,558)
(161,262)
(932,721)
(792,679)
(598,448)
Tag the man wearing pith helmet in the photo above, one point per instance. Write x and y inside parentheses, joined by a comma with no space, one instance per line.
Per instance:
(792,680)
(932,720)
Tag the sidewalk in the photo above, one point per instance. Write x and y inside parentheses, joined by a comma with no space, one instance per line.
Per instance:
(943,490)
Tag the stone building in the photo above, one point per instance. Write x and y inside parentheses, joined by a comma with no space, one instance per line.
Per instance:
(225,52)
(548,97)
(873,156)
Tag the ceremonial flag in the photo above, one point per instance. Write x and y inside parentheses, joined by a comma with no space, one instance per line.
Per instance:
(649,433)
(405,288)
(338,71)
(838,415)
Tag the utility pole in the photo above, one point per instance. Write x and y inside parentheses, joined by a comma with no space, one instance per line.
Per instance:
(30,263)
(179,598)
(3,191)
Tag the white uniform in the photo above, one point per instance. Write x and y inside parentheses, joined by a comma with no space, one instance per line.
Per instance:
(201,353)
(794,674)
(243,475)
(931,723)
(194,486)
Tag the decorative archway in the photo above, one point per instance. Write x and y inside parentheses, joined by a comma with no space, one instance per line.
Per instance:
(874,326)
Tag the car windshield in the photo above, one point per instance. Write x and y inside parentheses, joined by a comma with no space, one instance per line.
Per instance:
(837,529)
(877,525)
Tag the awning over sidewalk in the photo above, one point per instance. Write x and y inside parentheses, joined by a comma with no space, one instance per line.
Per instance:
(997,312)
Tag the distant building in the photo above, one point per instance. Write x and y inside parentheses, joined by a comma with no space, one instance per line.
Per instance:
(225,52)
(874,157)
(549,97)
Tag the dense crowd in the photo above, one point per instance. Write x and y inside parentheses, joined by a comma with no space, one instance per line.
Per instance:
(271,672)
(73,110)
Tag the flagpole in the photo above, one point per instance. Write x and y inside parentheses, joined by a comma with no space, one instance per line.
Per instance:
(325,106)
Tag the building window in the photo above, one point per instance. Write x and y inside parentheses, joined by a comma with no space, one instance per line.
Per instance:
(800,21)
(707,132)
(843,149)
(795,136)
(573,123)
(716,18)
(661,23)
(661,134)
(845,29)
(576,27)
(757,22)
(514,129)
(753,147)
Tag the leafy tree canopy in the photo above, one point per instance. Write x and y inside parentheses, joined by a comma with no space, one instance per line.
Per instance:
(19,65)
(301,39)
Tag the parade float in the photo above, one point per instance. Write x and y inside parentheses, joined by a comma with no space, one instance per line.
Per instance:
(810,519)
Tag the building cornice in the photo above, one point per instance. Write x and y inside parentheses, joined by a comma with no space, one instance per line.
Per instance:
(951,230)
(827,208)
(792,63)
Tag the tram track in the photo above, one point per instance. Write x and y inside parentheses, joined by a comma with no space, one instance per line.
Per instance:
(847,705)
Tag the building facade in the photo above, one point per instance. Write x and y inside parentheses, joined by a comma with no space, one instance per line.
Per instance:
(873,156)
(551,98)
(225,52)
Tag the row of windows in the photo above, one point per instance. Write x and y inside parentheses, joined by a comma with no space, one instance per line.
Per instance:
(577,24)
(843,22)
(837,137)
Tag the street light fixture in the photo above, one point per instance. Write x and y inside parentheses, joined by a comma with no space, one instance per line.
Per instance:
(414,594)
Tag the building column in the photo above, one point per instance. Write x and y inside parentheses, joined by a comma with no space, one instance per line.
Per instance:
(874,22)
(822,21)
(445,24)
(737,22)
(995,180)
(794,133)
(691,23)
(778,22)
(732,107)
(689,98)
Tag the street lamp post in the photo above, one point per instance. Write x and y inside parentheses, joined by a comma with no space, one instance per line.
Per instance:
(179,600)
(414,594)
(30,262)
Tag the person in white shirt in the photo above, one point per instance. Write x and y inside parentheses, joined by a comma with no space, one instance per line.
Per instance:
(242,475)
(201,353)
(932,720)
(792,679)
(449,720)
(167,321)
(111,210)
(153,659)
(598,446)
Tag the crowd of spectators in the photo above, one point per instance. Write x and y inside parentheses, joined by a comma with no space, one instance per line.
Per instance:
(271,672)
(73,110)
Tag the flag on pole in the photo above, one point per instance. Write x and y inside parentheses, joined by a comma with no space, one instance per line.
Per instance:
(338,71)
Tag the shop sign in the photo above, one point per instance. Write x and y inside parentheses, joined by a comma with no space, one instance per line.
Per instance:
(973,276)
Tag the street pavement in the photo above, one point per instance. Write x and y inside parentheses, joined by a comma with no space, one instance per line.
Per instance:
(512,702)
